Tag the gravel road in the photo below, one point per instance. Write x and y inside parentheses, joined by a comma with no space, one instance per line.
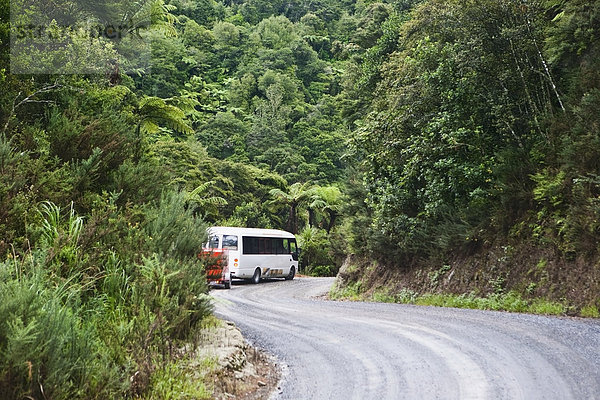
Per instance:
(351,350)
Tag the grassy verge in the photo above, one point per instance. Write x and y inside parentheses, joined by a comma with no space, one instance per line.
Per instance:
(510,301)
(182,379)
(189,377)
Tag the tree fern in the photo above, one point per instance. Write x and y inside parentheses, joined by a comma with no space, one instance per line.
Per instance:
(154,112)
(202,200)
(152,14)
(297,195)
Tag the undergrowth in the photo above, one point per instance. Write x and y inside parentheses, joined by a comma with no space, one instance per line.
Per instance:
(352,291)
(179,380)
(80,321)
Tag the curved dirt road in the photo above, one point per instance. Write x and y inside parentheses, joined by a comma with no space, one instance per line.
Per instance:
(351,350)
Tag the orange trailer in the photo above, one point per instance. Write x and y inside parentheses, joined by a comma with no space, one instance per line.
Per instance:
(217,267)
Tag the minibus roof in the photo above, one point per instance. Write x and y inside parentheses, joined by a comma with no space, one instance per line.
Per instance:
(229,230)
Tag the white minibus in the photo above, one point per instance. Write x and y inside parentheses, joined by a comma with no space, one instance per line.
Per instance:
(254,253)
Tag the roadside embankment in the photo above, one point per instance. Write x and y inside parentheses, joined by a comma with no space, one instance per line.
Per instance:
(241,371)
(512,278)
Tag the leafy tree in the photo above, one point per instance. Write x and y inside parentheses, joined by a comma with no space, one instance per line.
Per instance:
(255,11)
(274,33)
(369,25)
(169,66)
(225,136)
(270,122)
(202,12)
(441,119)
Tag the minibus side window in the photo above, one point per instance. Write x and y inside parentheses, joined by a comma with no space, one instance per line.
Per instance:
(286,246)
(213,242)
(250,245)
(230,242)
(294,249)
(278,247)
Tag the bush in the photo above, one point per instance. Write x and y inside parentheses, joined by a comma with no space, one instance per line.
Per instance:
(173,383)
(321,270)
(81,313)
(49,346)
(175,291)
(173,228)
(316,258)
(590,312)
(352,291)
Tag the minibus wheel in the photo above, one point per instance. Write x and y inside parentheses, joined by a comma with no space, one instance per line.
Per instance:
(291,274)
(256,276)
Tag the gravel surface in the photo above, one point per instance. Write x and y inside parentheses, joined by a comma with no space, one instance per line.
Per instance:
(354,350)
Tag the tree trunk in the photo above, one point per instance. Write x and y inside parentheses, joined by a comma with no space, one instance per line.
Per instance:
(293,223)
(311,217)
(332,218)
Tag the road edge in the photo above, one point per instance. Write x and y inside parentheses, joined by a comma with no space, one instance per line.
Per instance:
(244,371)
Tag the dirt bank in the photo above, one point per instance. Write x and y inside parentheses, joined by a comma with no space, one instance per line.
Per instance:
(531,272)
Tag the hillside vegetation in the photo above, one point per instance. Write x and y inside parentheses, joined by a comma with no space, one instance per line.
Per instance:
(478,151)
(451,147)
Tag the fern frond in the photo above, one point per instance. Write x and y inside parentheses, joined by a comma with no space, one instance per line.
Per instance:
(214,201)
(200,189)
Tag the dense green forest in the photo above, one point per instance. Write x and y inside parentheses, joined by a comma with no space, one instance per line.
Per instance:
(411,134)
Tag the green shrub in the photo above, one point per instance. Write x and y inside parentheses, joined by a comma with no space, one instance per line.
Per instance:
(176,382)
(352,291)
(138,182)
(316,255)
(383,296)
(79,318)
(49,348)
(406,296)
(542,306)
(511,301)
(173,228)
(114,230)
(321,270)
(176,290)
